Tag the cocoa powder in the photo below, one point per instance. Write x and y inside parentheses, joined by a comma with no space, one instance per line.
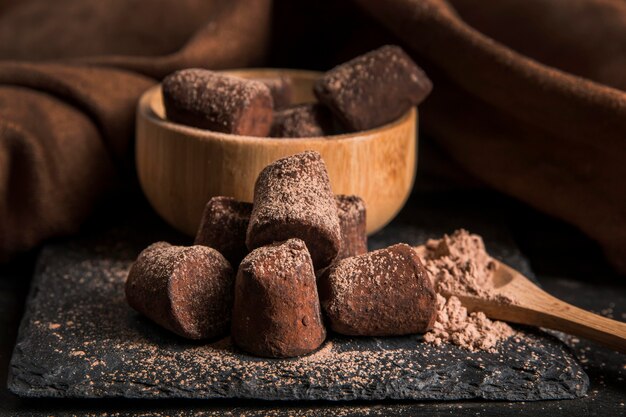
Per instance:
(473,331)
(459,264)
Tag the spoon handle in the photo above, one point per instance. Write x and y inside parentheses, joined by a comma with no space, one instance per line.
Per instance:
(555,314)
(538,308)
(541,309)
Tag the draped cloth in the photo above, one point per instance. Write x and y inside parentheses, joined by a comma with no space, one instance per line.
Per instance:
(529,95)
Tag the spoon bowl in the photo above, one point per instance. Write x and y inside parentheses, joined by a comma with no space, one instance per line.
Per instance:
(503,276)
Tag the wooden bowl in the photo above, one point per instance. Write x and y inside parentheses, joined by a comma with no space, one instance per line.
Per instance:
(180,168)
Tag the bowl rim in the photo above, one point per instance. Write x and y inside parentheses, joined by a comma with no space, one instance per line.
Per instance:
(146,109)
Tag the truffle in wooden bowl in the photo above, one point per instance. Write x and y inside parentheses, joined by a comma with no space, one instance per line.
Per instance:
(181,167)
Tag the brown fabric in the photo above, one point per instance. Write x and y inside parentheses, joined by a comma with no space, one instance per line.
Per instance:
(70,76)
(545,136)
(528,94)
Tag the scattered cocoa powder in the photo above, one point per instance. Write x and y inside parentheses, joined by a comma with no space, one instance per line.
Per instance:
(127,354)
(459,264)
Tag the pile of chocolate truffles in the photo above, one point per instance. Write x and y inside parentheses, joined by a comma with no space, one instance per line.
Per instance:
(298,251)
(364,93)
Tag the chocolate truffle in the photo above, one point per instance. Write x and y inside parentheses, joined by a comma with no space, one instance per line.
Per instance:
(293,199)
(382,293)
(303,121)
(223,227)
(188,290)
(218,102)
(351,211)
(277,312)
(373,89)
(281,89)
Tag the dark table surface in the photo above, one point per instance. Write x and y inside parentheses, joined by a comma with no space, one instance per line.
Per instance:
(566,264)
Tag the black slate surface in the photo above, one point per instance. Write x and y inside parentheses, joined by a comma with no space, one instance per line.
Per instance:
(78,338)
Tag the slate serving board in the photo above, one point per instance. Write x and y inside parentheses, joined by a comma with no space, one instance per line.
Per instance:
(78,338)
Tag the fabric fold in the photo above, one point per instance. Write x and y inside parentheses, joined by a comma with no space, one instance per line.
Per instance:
(69,87)
(528,95)
(552,139)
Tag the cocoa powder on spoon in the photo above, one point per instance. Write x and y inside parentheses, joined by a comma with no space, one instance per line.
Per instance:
(459,264)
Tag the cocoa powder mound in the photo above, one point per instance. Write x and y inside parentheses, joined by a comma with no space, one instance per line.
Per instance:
(473,331)
(459,264)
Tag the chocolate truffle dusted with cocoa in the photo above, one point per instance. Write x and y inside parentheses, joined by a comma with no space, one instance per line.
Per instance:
(293,199)
(303,121)
(373,89)
(188,290)
(281,89)
(277,312)
(218,102)
(223,227)
(351,212)
(382,293)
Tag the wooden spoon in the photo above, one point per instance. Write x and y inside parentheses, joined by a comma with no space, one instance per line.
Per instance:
(535,307)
